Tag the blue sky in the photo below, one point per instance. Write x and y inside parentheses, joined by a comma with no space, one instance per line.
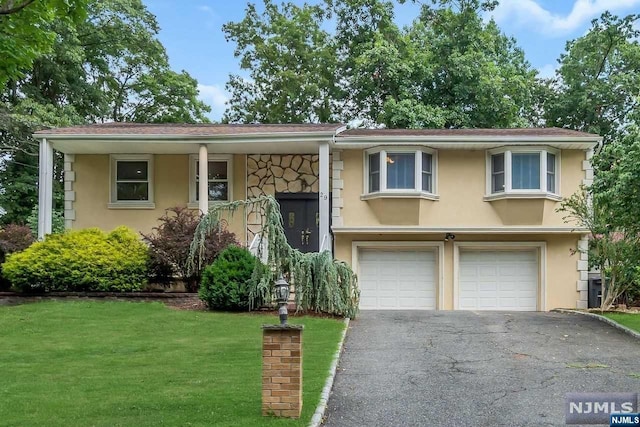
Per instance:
(191,31)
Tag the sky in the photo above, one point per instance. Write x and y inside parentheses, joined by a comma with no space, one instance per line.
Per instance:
(191,31)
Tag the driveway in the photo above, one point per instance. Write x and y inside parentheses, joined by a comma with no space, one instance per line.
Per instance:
(462,368)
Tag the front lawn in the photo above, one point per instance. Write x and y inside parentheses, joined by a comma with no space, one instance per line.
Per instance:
(631,321)
(142,364)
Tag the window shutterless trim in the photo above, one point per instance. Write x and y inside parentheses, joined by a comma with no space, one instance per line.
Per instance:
(508,174)
(418,171)
(193,188)
(114,203)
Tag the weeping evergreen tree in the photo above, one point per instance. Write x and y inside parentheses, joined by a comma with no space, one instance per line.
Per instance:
(322,284)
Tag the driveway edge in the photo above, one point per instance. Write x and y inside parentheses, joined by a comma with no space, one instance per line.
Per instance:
(613,323)
(316,420)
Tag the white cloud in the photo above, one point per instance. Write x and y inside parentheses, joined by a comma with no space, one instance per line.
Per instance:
(547,71)
(210,16)
(530,13)
(214,96)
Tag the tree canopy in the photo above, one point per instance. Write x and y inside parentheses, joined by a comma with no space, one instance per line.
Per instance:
(87,62)
(449,68)
(596,86)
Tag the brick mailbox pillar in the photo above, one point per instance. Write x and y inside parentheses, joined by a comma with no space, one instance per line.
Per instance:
(282,370)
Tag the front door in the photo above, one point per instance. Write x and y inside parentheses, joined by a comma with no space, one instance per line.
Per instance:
(301,220)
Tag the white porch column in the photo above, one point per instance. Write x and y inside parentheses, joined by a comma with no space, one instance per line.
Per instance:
(45,189)
(323,173)
(203,184)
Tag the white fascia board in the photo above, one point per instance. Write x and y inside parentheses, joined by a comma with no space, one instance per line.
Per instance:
(210,139)
(455,142)
(462,230)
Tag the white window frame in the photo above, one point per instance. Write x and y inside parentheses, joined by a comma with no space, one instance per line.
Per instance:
(193,188)
(417,191)
(130,204)
(509,192)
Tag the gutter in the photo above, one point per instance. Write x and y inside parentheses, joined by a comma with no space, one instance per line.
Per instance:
(462,230)
(180,137)
(467,138)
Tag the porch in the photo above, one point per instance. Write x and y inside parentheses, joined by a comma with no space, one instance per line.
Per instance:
(128,174)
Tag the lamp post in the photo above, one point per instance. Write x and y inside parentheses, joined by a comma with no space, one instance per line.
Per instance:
(282,296)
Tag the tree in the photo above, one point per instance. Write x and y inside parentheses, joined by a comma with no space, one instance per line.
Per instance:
(448,69)
(291,64)
(106,67)
(466,70)
(596,86)
(609,210)
(25,32)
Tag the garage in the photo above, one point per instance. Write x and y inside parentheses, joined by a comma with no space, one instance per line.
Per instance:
(498,280)
(397,279)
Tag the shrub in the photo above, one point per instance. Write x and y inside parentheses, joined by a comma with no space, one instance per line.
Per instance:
(170,242)
(84,260)
(57,221)
(225,283)
(13,238)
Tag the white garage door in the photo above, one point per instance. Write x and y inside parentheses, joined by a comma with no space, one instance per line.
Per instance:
(498,280)
(397,279)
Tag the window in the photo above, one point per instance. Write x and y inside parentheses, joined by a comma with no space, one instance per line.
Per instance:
(551,173)
(400,171)
(218,178)
(523,171)
(131,181)
(374,172)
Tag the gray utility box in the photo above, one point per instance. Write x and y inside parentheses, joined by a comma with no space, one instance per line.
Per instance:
(595,293)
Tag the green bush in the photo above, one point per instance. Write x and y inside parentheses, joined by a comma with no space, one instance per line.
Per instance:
(84,260)
(225,283)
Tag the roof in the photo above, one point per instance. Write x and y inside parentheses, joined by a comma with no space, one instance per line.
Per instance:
(188,129)
(449,133)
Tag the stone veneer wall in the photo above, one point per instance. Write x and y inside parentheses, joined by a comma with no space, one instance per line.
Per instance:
(268,174)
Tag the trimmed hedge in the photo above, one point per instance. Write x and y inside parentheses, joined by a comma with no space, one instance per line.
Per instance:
(225,283)
(84,260)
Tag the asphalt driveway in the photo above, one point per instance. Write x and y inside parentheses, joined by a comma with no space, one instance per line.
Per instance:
(461,368)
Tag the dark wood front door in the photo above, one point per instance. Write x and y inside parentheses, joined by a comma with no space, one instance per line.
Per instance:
(301,220)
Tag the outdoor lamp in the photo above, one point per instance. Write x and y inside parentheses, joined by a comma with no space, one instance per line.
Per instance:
(282,296)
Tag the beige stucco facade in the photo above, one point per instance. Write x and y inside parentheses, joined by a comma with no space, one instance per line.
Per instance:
(459,204)
(92,187)
(461,187)
(557,276)
(461,207)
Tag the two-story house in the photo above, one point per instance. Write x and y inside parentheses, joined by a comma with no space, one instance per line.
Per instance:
(429,219)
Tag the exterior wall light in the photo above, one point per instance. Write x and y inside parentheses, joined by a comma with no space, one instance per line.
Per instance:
(282,297)
(449,236)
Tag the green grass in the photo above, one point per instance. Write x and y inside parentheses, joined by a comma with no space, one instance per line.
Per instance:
(631,321)
(142,364)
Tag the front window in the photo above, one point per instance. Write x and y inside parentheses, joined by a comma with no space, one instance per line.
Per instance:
(400,170)
(219,179)
(374,172)
(131,181)
(523,170)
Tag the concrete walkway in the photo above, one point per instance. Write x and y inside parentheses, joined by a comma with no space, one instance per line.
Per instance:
(457,368)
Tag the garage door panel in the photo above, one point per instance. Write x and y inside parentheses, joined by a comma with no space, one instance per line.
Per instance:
(397,279)
(498,280)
